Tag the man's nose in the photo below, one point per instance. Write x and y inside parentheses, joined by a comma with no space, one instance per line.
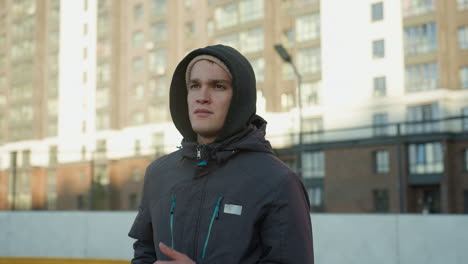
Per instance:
(203,95)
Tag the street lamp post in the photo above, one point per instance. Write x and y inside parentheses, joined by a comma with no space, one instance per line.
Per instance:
(287,58)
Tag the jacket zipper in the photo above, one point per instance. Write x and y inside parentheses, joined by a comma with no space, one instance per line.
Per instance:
(173,204)
(197,230)
(215,216)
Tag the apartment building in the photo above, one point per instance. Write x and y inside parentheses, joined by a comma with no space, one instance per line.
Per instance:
(374,74)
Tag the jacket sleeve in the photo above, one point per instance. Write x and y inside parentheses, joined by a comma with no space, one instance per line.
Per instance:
(286,231)
(144,252)
(142,230)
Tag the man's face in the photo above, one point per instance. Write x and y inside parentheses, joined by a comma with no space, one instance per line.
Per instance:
(208,98)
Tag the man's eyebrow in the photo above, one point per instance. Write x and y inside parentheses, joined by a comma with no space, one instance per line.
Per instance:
(211,81)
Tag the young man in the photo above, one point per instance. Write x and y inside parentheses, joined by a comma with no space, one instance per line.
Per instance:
(224,197)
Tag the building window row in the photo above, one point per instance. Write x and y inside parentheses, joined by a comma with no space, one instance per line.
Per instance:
(422,116)
(422,77)
(313,164)
(462,4)
(426,158)
(380,86)
(308,27)
(418,7)
(248,41)
(309,60)
(463,37)
(230,14)
(420,39)
(464,77)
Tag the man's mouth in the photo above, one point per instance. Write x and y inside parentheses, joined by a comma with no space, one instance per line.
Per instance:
(202,112)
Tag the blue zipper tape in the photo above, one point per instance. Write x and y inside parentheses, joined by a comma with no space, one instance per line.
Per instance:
(213,217)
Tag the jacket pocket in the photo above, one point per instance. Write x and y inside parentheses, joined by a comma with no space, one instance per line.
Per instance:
(214,217)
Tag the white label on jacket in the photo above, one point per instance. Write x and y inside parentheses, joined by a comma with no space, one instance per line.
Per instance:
(233,209)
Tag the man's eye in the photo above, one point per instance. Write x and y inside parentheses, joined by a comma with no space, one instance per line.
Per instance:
(193,86)
(220,86)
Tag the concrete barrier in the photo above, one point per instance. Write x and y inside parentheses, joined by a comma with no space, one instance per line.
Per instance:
(338,238)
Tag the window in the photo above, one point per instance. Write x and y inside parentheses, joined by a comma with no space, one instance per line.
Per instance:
(26,158)
(158,142)
(102,120)
(101,148)
(287,101)
(378,48)
(80,202)
(465,159)
(51,190)
(465,195)
(83,153)
(312,128)
(381,201)
(133,201)
(420,39)
(421,77)
(102,98)
(379,122)
(136,174)
(53,155)
(258,66)
(138,118)
(250,10)
(137,64)
(229,40)
(313,164)
(226,16)
(310,93)
(422,116)
(315,196)
(308,27)
(137,12)
(380,86)
(417,7)
(309,60)
(103,73)
(189,29)
(210,27)
(85,29)
(426,158)
(465,119)
(139,91)
(158,61)
(462,4)
(158,7)
(381,161)
(251,40)
(137,147)
(463,37)
(102,175)
(377,11)
(138,39)
(464,77)
(159,32)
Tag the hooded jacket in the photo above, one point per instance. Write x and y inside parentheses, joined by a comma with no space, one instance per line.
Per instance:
(231,201)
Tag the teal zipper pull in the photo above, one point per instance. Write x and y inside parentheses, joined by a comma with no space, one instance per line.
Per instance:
(213,217)
(173,204)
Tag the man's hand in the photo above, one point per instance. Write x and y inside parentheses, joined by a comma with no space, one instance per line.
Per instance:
(176,256)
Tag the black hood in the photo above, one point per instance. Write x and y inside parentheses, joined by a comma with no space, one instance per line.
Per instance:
(243,103)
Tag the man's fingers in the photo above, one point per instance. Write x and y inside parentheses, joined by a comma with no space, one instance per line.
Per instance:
(172,253)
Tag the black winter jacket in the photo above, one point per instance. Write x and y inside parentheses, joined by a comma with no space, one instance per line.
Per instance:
(227,202)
